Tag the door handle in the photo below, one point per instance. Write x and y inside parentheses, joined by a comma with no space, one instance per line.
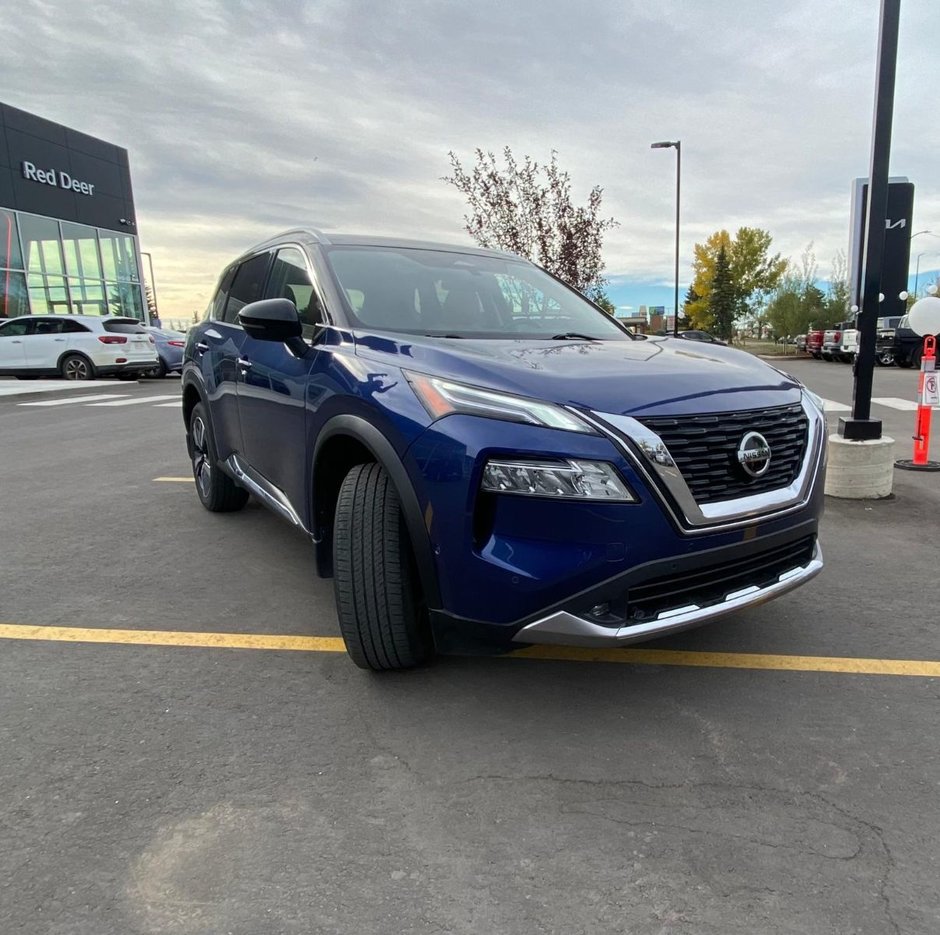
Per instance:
(202,347)
(244,365)
(60,339)
(15,341)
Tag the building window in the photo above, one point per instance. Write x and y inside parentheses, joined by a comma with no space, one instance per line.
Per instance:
(119,257)
(48,295)
(11,256)
(80,244)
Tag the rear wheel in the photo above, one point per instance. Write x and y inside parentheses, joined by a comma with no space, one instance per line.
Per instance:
(158,372)
(916,356)
(382,614)
(217,491)
(76,367)
(884,358)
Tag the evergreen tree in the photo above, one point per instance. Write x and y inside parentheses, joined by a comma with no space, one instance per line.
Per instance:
(722,303)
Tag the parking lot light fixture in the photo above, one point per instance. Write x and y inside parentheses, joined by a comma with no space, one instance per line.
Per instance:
(677,145)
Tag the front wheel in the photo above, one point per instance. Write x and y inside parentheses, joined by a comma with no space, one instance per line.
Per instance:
(382,614)
(217,492)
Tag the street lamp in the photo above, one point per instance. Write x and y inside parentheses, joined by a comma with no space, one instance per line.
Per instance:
(677,145)
(153,284)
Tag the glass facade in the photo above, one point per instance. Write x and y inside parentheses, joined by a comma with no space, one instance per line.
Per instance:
(59,267)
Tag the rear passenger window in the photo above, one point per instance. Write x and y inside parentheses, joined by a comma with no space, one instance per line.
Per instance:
(73,327)
(217,306)
(246,286)
(47,326)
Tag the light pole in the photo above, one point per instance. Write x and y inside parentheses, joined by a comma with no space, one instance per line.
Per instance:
(677,145)
(153,284)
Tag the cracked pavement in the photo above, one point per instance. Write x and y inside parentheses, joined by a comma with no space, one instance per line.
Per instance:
(192,791)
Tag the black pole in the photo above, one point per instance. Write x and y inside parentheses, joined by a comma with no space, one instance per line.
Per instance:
(861,426)
(675,320)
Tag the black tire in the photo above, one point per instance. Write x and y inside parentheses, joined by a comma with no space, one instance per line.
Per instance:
(904,362)
(382,614)
(916,356)
(158,372)
(77,367)
(217,492)
(884,358)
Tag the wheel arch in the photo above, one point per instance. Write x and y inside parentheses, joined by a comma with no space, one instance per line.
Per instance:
(74,353)
(348,440)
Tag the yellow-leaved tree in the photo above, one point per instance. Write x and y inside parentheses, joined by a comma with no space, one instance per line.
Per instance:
(753,274)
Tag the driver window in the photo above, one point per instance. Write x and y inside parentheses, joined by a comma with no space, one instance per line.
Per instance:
(290,279)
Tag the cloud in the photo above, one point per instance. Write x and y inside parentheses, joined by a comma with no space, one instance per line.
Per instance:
(244,118)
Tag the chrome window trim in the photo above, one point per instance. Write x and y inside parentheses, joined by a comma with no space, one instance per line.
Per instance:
(649,454)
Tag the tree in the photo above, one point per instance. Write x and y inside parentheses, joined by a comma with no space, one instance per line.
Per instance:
(798,303)
(837,299)
(722,301)
(527,209)
(151,302)
(600,298)
(753,272)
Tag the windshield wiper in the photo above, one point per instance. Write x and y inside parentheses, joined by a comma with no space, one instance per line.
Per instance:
(444,336)
(574,336)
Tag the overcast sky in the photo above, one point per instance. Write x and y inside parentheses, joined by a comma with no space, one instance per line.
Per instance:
(245,118)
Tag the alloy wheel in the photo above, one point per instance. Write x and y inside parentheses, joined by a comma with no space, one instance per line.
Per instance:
(202,465)
(76,369)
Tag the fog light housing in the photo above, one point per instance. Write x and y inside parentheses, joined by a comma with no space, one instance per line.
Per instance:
(560,480)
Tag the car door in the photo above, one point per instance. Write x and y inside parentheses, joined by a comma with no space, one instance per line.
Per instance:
(218,347)
(12,340)
(45,343)
(272,383)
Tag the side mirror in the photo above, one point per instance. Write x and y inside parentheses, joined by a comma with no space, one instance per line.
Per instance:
(271,320)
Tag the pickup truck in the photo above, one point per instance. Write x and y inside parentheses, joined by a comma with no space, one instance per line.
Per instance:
(814,343)
(832,342)
(907,347)
(884,346)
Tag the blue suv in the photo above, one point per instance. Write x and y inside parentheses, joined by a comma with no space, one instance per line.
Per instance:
(485,459)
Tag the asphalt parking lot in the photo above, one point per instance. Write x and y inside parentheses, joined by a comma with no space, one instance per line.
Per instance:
(761,774)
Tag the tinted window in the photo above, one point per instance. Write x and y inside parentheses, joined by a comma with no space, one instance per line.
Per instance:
(217,306)
(439,292)
(289,279)
(47,326)
(73,327)
(13,329)
(124,326)
(246,286)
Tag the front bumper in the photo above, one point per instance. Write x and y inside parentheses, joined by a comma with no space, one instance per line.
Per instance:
(566,628)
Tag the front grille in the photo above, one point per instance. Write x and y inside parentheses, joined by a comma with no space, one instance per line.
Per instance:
(712,584)
(705,447)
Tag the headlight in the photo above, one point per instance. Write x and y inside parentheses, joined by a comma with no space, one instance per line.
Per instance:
(577,480)
(442,397)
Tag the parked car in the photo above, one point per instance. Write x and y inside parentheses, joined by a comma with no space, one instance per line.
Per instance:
(814,343)
(832,342)
(908,345)
(75,347)
(170,346)
(704,336)
(884,341)
(483,458)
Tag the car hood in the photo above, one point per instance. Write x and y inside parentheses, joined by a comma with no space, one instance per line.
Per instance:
(656,376)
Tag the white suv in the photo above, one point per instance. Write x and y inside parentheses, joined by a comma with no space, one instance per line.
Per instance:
(75,347)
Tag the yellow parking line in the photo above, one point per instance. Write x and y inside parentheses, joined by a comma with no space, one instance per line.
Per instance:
(672,657)
(173,480)
(314,644)
(334,644)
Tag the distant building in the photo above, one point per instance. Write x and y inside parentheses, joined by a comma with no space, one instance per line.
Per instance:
(68,232)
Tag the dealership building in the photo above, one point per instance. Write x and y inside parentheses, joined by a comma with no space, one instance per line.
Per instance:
(68,232)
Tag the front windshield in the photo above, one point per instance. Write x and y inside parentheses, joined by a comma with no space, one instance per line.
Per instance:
(443,294)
